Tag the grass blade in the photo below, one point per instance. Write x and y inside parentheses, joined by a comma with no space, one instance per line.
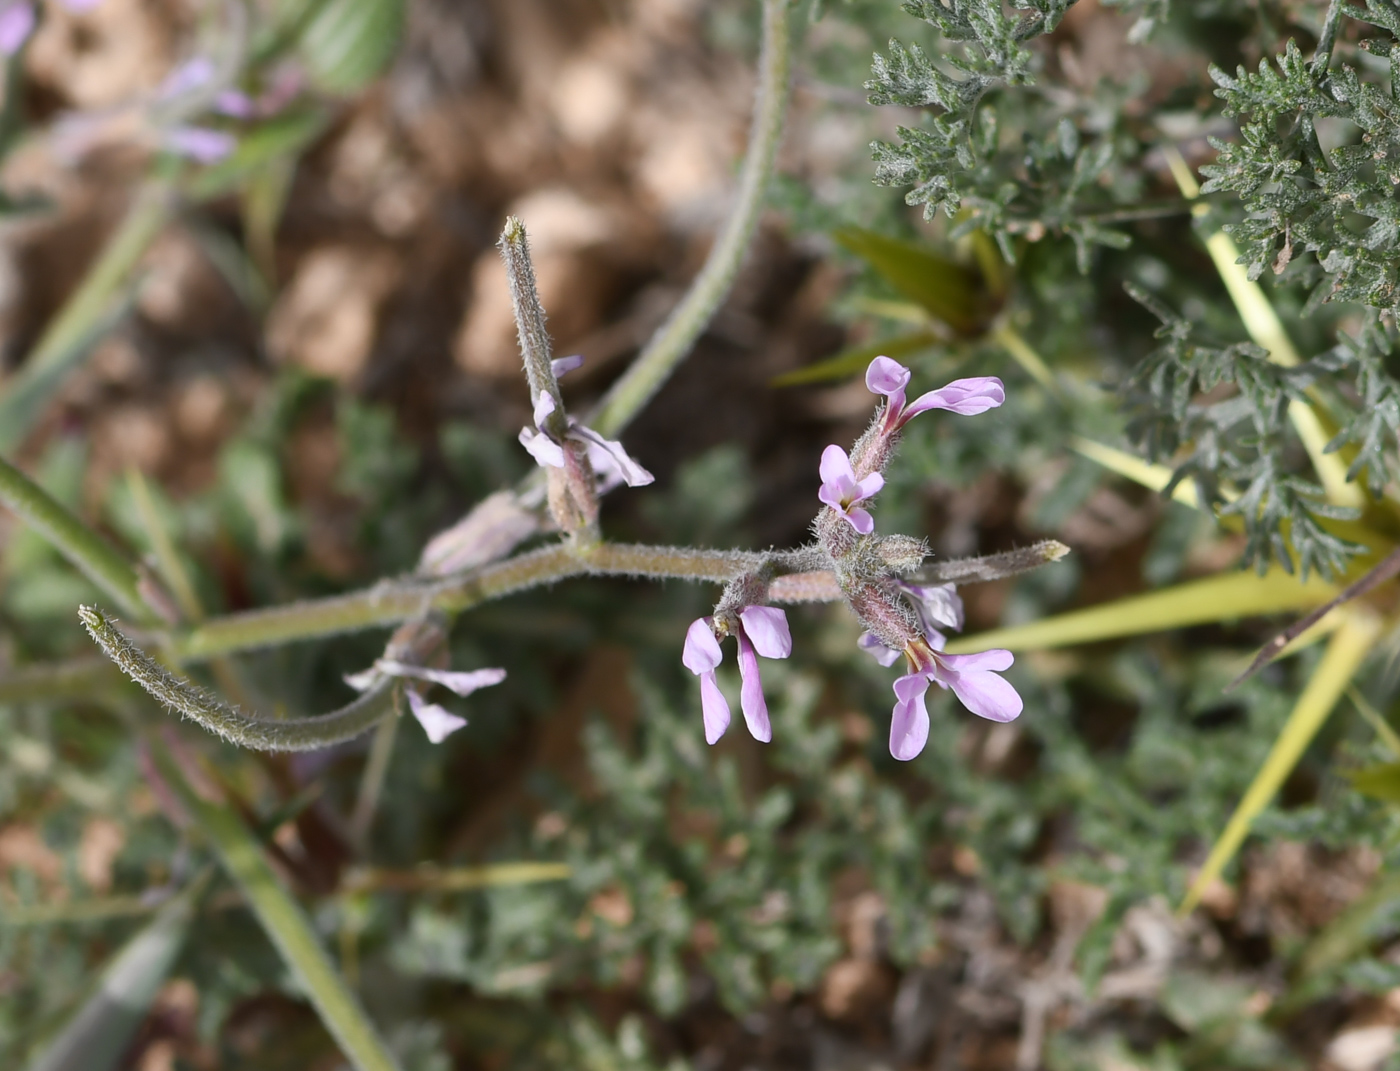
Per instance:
(854,360)
(284,922)
(96,1038)
(1217,598)
(1345,652)
(96,558)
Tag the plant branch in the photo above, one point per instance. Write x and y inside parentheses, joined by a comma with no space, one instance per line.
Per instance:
(674,339)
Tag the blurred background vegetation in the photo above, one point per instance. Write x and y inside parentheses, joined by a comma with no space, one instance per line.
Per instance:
(256,333)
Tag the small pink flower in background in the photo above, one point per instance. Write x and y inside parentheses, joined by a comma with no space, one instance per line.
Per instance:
(199,143)
(966,397)
(611,463)
(17,21)
(842,491)
(763,630)
(973,678)
(438,722)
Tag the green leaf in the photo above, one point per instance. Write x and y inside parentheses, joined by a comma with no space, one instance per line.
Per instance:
(1345,652)
(283,920)
(1380,782)
(1218,598)
(348,42)
(853,360)
(97,1036)
(272,142)
(953,294)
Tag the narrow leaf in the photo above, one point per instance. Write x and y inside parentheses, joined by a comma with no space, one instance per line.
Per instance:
(854,360)
(951,293)
(1156,477)
(1381,782)
(97,1036)
(284,922)
(1345,652)
(1224,597)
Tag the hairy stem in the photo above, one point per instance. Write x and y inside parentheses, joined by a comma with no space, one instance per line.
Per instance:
(674,339)
(97,559)
(246,730)
(529,320)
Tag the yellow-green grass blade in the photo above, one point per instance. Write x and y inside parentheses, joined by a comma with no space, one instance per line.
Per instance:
(1029,360)
(1376,720)
(854,360)
(97,1035)
(1345,652)
(456,879)
(1265,328)
(1224,597)
(1155,477)
(284,922)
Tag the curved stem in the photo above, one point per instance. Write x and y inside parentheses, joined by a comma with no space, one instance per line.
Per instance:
(674,339)
(246,730)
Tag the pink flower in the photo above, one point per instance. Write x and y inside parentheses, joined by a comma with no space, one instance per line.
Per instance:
(966,397)
(611,463)
(938,606)
(16,24)
(200,143)
(438,722)
(763,630)
(841,490)
(973,678)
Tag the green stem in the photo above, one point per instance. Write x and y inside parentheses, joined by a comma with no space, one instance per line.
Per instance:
(98,560)
(389,604)
(284,922)
(87,313)
(674,339)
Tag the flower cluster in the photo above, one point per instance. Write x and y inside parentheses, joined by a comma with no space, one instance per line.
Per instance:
(901,617)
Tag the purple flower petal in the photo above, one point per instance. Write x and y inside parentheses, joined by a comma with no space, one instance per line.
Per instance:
(544,405)
(80,6)
(860,520)
(16,24)
(835,469)
(966,397)
(542,448)
(463,683)
(993,661)
(940,604)
(437,722)
(186,78)
(868,487)
(235,104)
(701,653)
(909,721)
(987,695)
(870,643)
(751,700)
(199,143)
(562,366)
(767,628)
(714,708)
(886,376)
(606,454)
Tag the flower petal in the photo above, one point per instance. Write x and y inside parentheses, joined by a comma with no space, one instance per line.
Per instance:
(940,603)
(542,448)
(544,405)
(713,707)
(966,397)
(870,643)
(868,487)
(632,473)
(437,722)
(16,24)
(364,680)
(463,683)
(701,653)
(987,695)
(562,366)
(751,700)
(860,520)
(836,471)
(909,721)
(186,78)
(200,143)
(886,376)
(767,628)
(993,661)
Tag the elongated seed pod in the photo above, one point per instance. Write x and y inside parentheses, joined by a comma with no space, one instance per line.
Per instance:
(246,730)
